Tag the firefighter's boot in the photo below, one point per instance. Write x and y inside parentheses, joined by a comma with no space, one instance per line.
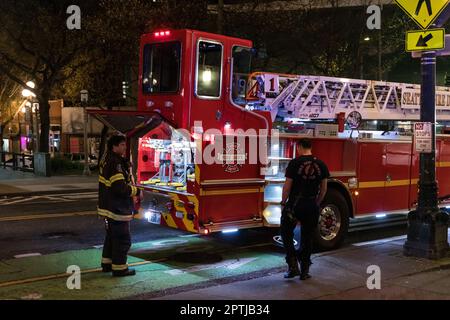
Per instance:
(124,273)
(304,271)
(106,267)
(292,268)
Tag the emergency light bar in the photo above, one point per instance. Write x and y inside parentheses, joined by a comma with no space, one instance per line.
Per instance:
(162,33)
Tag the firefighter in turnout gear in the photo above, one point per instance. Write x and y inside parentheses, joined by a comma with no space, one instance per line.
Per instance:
(303,191)
(116,206)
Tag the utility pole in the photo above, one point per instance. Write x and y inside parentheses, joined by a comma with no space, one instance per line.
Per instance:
(427,225)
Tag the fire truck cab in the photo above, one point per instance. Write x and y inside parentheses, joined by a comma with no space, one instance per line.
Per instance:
(196,92)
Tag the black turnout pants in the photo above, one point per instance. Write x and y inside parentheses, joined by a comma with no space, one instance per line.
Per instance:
(117,243)
(307,213)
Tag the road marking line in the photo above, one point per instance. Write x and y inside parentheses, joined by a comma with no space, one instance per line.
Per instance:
(25,255)
(230,264)
(63,275)
(66,197)
(55,199)
(189,235)
(360,244)
(32,296)
(239,263)
(47,216)
(76,197)
(20,201)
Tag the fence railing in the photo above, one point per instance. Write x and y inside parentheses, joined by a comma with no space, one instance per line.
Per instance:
(17,161)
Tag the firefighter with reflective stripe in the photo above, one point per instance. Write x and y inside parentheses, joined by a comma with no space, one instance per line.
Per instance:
(116,206)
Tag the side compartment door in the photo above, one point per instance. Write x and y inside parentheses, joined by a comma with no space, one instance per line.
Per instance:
(371,178)
(397,160)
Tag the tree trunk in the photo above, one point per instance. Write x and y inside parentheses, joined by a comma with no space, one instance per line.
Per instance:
(44,114)
(220,17)
(2,157)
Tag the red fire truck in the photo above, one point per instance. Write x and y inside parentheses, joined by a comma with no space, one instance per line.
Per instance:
(196,90)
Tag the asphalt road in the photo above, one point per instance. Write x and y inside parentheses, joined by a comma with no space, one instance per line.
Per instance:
(57,223)
(41,235)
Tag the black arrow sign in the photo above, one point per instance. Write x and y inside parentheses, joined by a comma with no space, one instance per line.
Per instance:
(423,40)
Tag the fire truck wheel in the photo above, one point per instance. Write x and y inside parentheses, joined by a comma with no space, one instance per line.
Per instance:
(333,221)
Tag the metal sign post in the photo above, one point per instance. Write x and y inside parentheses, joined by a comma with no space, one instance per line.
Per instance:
(427,225)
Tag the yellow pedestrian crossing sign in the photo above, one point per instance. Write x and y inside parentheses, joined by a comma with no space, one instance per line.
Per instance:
(432,39)
(423,12)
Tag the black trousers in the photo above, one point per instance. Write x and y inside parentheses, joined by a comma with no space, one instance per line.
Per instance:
(307,213)
(117,243)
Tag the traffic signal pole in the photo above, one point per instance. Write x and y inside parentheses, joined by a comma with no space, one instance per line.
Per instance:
(427,225)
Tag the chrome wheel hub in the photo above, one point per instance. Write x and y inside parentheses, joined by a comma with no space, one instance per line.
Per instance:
(329,222)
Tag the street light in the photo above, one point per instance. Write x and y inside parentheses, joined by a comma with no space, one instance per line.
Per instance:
(84,95)
(29,95)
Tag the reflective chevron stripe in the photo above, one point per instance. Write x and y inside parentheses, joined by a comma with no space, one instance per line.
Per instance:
(133,191)
(116,177)
(116,217)
(119,267)
(106,260)
(104,181)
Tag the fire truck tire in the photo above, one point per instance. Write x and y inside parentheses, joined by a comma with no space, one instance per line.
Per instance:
(333,221)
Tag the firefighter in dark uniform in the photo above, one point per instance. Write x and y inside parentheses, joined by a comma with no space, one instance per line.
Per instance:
(116,206)
(303,191)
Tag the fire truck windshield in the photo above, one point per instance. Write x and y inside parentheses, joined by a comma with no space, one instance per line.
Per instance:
(161,67)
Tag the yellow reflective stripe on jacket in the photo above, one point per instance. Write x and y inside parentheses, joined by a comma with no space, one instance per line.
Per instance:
(104,181)
(111,215)
(117,177)
(133,191)
(113,179)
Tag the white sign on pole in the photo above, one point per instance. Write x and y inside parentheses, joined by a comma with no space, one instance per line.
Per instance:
(423,137)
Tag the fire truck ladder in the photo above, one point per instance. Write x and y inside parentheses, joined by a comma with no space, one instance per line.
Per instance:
(315,97)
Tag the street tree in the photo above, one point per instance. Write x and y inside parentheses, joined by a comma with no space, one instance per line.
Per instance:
(10,98)
(316,37)
(37,42)
(117,32)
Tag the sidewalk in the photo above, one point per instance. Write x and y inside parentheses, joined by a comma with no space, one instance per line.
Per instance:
(16,183)
(342,275)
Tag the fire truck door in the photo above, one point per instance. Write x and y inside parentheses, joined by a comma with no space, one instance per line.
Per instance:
(208,96)
(133,124)
(126,122)
(397,162)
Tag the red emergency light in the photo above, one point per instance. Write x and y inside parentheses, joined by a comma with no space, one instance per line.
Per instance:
(162,33)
